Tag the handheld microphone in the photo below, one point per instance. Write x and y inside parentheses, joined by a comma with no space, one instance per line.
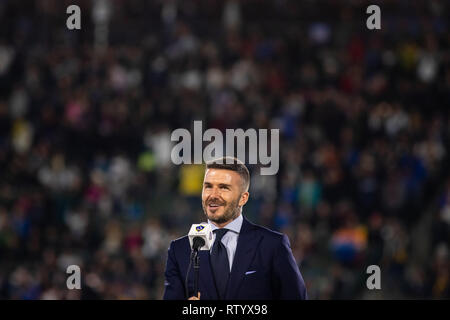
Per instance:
(200,236)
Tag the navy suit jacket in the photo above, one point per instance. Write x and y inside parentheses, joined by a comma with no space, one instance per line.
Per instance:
(263,269)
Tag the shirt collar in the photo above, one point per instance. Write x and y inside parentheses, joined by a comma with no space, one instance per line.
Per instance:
(234,225)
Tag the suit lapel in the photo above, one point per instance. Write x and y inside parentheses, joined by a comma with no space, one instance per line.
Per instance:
(246,247)
(206,277)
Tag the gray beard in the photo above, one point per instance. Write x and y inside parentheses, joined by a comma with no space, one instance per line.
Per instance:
(229,215)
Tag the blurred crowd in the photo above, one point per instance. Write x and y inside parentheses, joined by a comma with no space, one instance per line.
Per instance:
(86,176)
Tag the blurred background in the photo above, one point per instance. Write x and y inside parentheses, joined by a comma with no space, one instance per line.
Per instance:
(86,117)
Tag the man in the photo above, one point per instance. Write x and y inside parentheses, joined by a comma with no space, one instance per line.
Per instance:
(246,261)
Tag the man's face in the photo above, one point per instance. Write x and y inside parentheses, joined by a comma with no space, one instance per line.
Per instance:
(222,195)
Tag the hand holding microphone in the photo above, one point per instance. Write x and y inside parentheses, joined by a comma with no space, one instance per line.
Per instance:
(200,238)
(195,297)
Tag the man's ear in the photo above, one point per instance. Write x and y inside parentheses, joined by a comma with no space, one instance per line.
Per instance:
(244,198)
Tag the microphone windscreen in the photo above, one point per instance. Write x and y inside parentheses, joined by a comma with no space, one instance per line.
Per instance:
(197,243)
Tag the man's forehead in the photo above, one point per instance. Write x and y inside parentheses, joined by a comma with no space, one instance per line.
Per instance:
(221,176)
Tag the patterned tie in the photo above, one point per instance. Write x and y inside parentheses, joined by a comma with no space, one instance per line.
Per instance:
(219,263)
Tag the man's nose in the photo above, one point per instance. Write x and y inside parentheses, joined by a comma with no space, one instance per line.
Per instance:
(215,192)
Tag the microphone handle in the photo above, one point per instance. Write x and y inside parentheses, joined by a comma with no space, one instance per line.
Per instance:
(196,272)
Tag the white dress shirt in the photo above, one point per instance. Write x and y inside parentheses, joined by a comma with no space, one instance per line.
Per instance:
(230,238)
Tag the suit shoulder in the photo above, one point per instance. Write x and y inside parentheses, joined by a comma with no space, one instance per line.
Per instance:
(181,241)
(271,234)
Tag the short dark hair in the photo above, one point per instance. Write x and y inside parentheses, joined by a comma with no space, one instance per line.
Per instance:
(233,164)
